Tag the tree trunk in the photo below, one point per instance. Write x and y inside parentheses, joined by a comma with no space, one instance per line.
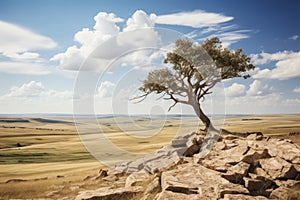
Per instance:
(203,117)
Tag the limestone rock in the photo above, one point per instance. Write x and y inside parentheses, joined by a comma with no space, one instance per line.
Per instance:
(257,187)
(297,167)
(220,165)
(163,158)
(164,162)
(196,179)
(192,150)
(255,136)
(221,160)
(236,173)
(285,193)
(136,179)
(292,184)
(235,168)
(284,149)
(278,168)
(179,142)
(252,156)
(169,195)
(108,193)
(242,197)
(111,178)
(102,174)
(230,137)
(268,183)
(260,172)
(153,187)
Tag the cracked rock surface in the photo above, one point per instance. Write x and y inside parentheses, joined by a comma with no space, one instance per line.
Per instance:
(252,167)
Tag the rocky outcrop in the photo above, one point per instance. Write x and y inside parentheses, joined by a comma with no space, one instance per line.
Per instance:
(251,167)
(164,158)
(108,193)
(195,179)
(278,168)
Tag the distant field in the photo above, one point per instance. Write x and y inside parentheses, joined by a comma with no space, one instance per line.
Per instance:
(39,155)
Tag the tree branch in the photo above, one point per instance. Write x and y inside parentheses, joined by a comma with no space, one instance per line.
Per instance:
(175,102)
(141,97)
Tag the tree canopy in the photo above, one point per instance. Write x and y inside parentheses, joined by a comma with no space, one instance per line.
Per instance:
(194,69)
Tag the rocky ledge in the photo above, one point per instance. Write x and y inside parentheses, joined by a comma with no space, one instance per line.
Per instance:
(252,167)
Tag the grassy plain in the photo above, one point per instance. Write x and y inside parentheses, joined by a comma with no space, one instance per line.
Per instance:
(45,157)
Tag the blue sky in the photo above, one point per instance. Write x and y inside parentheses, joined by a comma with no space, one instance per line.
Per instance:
(43,43)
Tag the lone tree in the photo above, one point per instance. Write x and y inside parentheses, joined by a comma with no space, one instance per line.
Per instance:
(195,70)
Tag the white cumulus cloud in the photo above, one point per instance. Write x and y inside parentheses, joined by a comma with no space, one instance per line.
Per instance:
(34,97)
(114,42)
(31,89)
(106,89)
(135,34)
(105,27)
(258,88)
(139,20)
(34,89)
(235,90)
(286,66)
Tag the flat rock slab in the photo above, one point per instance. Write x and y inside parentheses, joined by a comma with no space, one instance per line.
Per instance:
(277,167)
(243,197)
(163,158)
(198,180)
(108,193)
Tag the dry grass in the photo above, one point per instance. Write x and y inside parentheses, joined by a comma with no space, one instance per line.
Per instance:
(49,150)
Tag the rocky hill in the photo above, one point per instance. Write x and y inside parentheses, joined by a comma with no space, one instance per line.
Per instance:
(252,167)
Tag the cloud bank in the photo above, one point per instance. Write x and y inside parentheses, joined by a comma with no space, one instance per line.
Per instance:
(286,65)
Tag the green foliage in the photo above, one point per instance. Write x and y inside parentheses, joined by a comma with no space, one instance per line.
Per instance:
(232,63)
(197,67)
(195,70)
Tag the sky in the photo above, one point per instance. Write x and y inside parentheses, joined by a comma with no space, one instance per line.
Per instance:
(46,48)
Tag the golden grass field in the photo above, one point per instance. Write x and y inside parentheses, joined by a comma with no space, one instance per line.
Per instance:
(44,157)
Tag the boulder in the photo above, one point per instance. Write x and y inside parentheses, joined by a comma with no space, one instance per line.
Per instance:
(198,180)
(221,160)
(285,193)
(297,168)
(292,184)
(278,168)
(179,142)
(252,156)
(193,149)
(260,172)
(230,137)
(164,162)
(102,173)
(108,193)
(255,136)
(235,168)
(284,149)
(153,187)
(257,187)
(169,195)
(220,165)
(163,158)
(267,182)
(137,179)
(236,173)
(242,197)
